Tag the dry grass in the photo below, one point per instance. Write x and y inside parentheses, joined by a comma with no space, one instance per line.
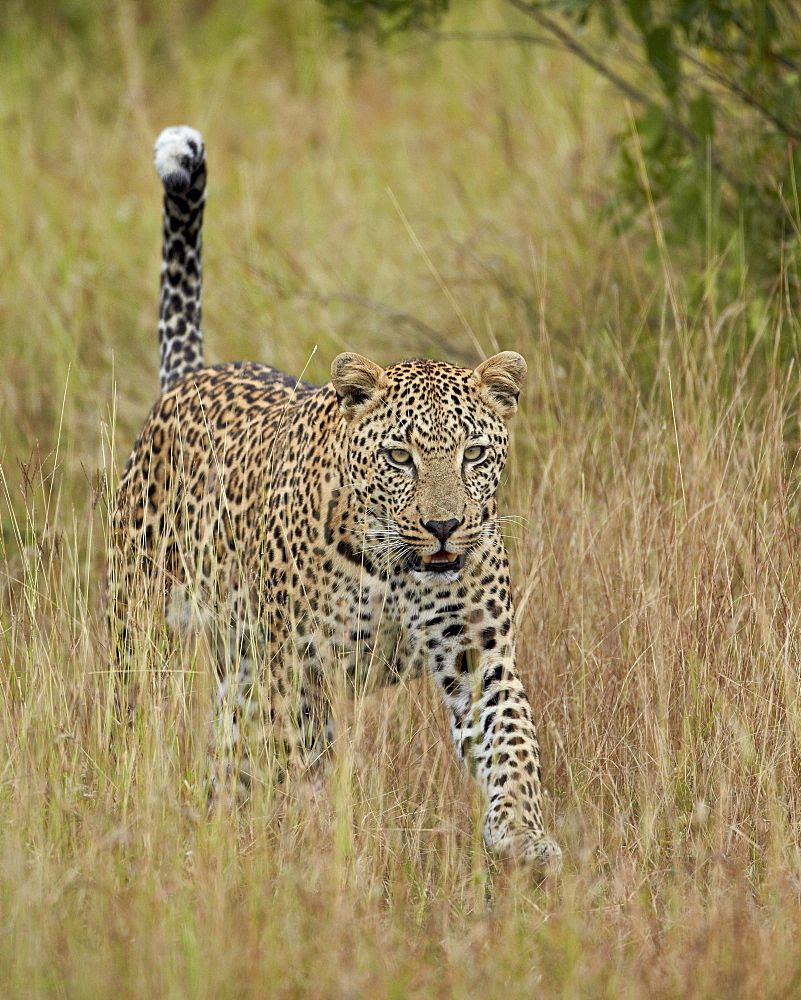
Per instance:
(656,555)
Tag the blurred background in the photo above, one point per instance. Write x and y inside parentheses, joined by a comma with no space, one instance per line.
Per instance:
(364,156)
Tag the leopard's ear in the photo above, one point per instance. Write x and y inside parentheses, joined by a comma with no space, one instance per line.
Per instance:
(356,381)
(499,379)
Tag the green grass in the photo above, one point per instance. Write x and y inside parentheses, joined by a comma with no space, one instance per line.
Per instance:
(656,559)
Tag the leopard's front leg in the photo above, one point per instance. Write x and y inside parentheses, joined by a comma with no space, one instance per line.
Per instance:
(494,733)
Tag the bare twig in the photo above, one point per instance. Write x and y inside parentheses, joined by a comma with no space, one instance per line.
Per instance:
(747,98)
(520,37)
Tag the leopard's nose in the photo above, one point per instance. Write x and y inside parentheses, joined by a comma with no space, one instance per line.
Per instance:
(442,529)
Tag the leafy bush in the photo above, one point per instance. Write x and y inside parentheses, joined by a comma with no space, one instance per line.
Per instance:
(715,86)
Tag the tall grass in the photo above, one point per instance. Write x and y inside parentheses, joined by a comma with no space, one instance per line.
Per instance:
(655,543)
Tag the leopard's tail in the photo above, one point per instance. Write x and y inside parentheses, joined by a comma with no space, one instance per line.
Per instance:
(180,159)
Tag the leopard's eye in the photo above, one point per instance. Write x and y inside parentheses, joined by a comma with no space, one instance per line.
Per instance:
(475,452)
(400,456)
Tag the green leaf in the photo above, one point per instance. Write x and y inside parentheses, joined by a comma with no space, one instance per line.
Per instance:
(577,10)
(765,27)
(609,20)
(702,116)
(687,209)
(686,13)
(640,13)
(652,128)
(663,57)
(384,18)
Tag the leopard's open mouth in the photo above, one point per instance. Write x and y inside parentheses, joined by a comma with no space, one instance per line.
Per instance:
(438,562)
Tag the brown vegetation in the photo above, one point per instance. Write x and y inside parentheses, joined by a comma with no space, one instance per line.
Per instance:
(387,206)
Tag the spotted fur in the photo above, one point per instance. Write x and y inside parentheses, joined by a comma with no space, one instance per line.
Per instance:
(342,533)
(180,160)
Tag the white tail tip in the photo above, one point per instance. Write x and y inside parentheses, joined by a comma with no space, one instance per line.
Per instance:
(178,151)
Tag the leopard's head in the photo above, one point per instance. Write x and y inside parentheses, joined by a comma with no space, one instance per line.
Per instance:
(426,445)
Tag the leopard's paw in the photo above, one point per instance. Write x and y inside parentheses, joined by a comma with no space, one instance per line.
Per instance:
(178,153)
(528,846)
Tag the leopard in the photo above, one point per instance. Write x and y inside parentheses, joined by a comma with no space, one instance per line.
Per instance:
(335,537)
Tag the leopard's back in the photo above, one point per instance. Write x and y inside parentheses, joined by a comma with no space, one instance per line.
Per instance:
(208,466)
